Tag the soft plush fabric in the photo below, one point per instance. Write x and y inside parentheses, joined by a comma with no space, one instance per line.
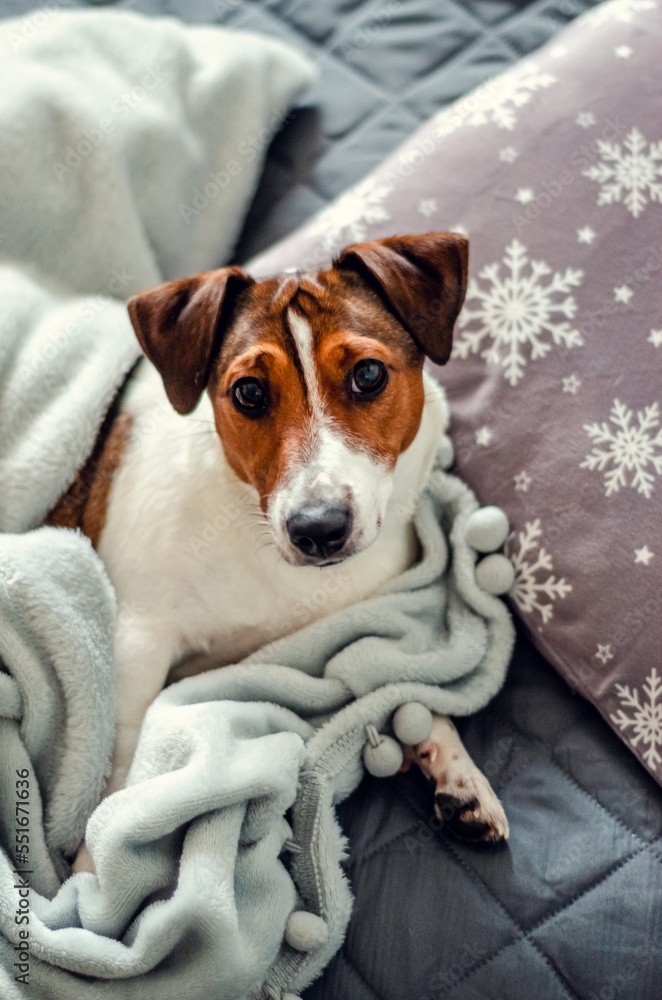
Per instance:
(192,897)
(138,139)
(130,151)
(555,172)
(191,893)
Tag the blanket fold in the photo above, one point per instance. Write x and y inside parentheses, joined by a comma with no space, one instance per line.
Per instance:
(226,826)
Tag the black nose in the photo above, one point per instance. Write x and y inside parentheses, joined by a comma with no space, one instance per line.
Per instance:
(320,531)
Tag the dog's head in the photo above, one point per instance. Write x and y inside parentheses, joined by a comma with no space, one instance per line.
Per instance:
(315,378)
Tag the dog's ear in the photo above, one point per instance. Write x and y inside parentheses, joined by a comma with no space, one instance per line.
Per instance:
(423,280)
(179,326)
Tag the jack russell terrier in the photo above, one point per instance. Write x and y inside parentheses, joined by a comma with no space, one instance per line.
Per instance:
(317,421)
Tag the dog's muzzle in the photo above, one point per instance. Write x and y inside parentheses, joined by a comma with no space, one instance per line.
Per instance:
(320,532)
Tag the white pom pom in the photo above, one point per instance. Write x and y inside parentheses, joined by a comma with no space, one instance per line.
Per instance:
(486,529)
(305,931)
(412,723)
(384,759)
(446,452)
(495,574)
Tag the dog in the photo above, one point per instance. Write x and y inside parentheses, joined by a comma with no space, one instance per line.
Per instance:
(314,417)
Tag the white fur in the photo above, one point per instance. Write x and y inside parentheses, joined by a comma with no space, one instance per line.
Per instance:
(327,470)
(192,560)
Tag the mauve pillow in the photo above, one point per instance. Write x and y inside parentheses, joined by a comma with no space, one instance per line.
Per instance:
(555,385)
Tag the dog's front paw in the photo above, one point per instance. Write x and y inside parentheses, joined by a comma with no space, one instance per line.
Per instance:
(470,809)
(464,800)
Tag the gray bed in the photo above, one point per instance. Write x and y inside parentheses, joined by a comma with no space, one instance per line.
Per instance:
(570,908)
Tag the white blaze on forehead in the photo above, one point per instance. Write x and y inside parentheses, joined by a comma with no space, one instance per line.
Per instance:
(303,339)
(329,470)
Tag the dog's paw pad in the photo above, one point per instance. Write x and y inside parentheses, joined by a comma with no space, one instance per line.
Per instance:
(469,819)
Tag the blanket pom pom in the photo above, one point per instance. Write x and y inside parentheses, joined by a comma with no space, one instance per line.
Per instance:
(305,931)
(412,723)
(486,529)
(383,759)
(495,574)
(446,452)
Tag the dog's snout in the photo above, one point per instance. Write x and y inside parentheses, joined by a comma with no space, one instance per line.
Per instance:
(320,531)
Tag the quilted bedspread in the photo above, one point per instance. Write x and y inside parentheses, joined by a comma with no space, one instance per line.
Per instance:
(570,908)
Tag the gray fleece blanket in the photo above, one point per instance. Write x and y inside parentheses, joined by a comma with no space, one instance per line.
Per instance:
(226,826)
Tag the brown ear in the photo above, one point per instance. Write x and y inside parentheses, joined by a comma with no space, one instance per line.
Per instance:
(423,280)
(178,325)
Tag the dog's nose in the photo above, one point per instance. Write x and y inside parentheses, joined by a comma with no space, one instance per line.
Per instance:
(320,531)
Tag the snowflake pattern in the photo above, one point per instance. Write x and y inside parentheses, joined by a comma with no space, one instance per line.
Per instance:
(630,446)
(497,102)
(347,219)
(646,718)
(528,590)
(632,174)
(517,310)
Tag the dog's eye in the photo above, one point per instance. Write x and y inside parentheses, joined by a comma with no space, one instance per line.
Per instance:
(369,377)
(249,397)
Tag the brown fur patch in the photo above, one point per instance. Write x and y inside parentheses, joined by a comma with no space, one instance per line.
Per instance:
(348,324)
(85,503)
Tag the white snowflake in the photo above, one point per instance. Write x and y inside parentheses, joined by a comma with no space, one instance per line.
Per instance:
(655,338)
(646,720)
(522,481)
(631,447)
(347,219)
(517,310)
(427,206)
(586,235)
(508,154)
(622,51)
(632,174)
(585,119)
(528,591)
(618,10)
(497,101)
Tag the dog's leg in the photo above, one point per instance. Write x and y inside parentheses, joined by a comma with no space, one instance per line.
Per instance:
(463,797)
(143,655)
